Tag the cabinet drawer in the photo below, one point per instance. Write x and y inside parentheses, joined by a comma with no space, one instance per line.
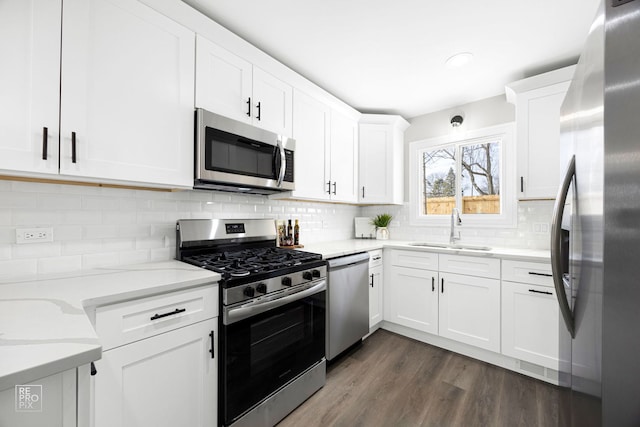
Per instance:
(375,258)
(131,321)
(470,265)
(414,259)
(535,273)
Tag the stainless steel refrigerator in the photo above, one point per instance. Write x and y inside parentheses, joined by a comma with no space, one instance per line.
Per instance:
(595,242)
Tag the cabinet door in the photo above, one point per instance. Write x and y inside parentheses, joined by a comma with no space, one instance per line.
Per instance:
(539,141)
(470,310)
(530,319)
(411,298)
(223,81)
(29,84)
(272,103)
(344,161)
(311,130)
(375,295)
(55,405)
(127,93)
(376,181)
(166,380)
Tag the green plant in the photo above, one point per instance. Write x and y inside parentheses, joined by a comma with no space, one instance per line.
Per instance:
(381,220)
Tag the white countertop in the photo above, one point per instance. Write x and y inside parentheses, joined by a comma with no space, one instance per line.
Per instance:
(44,328)
(347,247)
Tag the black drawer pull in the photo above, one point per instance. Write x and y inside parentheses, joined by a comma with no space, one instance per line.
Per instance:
(45,141)
(171,313)
(212,345)
(522,184)
(371,275)
(433,284)
(442,286)
(540,292)
(93,369)
(533,273)
(73,147)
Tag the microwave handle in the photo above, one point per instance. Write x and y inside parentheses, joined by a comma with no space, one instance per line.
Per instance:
(283,163)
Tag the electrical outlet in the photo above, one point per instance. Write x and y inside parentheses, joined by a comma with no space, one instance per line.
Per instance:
(34,235)
(541,227)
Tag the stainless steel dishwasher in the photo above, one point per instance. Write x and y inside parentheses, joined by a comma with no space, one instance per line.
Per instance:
(347,302)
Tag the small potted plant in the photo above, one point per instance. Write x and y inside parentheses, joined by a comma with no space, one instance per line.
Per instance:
(381,222)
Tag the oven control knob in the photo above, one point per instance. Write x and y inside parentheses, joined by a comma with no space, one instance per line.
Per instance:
(262,288)
(307,275)
(316,273)
(249,292)
(286,281)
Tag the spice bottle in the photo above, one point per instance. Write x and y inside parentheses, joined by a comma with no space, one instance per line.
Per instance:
(296,234)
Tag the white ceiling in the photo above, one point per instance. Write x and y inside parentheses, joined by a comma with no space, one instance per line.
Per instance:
(387,56)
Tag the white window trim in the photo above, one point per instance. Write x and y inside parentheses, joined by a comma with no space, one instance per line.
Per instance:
(508,217)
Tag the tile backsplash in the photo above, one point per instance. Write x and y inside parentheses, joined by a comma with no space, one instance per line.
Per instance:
(96,227)
(532,232)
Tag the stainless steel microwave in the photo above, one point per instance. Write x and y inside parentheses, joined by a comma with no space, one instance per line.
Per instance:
(238,157)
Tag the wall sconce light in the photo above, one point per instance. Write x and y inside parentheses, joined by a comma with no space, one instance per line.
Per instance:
(456,120)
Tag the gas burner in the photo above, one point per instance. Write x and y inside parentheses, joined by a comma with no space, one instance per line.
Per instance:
(240,273)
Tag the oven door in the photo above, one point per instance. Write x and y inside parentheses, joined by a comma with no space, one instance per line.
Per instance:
(263,352)
(234,153)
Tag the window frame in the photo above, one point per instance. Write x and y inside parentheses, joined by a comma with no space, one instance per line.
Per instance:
(505,133)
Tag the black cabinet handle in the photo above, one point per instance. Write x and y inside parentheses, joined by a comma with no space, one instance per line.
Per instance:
(93,369)
(45,141)
(371,283)
(259,111)
(433,284)
(334,187)
(522,184)
(442,285)
(533,273)
(171,313)
(363,191)
(540,292)
(249,107)
(73,147)
(329,187)
(211,335)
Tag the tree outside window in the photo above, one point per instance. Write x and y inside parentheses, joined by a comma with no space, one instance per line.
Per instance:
(466,176)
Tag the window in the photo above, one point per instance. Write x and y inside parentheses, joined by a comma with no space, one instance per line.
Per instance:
(472,171)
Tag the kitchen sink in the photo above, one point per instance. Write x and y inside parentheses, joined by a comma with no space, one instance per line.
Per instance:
(454,246)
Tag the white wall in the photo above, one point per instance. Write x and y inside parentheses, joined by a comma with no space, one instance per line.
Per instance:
(96,227)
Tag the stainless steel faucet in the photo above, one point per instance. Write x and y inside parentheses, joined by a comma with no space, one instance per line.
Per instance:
(455,222)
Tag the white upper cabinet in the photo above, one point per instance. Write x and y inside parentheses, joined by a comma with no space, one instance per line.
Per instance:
(311,130)
(127,93)
(272,103)
(538,100)
(228,85)
(344,158)
(326,161)
(381,159)
(124,98)
(224,81)
(29,85)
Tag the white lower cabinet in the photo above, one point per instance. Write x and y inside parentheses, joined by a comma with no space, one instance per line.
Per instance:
(411,298)
(375,287)
(45,402)
(470,310)
(159,361)
(166,380)
(531,327)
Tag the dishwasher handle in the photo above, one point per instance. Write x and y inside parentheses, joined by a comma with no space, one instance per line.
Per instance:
(345,261)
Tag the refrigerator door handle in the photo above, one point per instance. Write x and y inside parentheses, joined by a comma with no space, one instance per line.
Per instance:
(556,247)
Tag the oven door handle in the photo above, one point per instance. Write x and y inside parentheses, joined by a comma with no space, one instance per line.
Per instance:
(234,315)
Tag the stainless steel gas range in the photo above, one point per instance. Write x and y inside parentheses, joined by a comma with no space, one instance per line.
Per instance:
(272,323)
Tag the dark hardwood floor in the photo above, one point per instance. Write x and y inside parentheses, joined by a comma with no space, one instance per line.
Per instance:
(392,380)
